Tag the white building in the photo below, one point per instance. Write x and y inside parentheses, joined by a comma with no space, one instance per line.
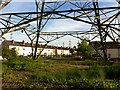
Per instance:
(112,49)
(25,49)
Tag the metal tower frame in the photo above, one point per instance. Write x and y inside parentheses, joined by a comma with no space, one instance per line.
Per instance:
(101,19)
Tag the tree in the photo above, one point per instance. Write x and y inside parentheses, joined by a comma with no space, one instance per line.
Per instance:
(85,49)
(72,50)
(8,53)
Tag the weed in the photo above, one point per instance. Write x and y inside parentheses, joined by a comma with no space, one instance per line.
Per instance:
(44,73)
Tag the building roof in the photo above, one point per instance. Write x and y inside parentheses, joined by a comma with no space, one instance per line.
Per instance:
(26,44)
(108,45)
(15,43)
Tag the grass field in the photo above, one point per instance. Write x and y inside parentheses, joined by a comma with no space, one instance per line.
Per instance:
(58,73)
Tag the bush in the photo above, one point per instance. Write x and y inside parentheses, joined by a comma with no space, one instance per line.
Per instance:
(8,53)
(47,73)
(113,72)
(92,62)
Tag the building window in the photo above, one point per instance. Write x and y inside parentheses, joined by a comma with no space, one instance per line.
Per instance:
(109,56)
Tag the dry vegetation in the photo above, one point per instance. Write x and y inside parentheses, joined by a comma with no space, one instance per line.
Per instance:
(53,73)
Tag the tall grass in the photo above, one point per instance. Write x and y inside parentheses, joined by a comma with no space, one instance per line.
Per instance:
(48,73)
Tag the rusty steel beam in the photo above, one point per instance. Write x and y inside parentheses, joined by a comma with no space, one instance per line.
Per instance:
(4,3)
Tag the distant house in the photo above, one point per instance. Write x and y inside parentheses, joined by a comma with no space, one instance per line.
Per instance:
(112,49)
(25,49)
(21,48)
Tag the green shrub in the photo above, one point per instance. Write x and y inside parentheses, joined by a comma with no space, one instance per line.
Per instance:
(92,62)
(8,53)
(47,73)
(104,62)
(95,72)
(113,72)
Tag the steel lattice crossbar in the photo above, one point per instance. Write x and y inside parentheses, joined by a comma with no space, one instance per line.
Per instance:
(104,21)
